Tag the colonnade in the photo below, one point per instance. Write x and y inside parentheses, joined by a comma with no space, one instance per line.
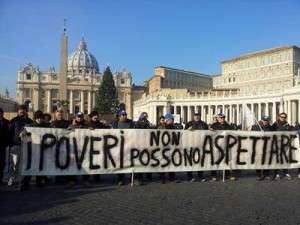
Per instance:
(184,110)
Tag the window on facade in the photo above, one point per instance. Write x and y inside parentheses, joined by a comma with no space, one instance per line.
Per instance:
(54,94)
(122,81)
(28,76)
(76,95)
(28,93)
(54,77)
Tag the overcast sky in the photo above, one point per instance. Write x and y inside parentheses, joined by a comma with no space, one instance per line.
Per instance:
(139,35)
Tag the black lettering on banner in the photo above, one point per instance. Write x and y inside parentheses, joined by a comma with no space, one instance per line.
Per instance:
(292,148)
(154,136)
(174,157)
(107,147)
(164,151)
(79,161)
(29,152)
(264,150)
(284,144)
(220,149)
(254,142)
(46,144)
(134,154)
(175,138)
(196,155)
(165,138)
(57,153)
(208,141)
(229,145)
(122,150)
(144,152)
(274,150)
(188,156)
(154,158)
(240,150)
(94,152)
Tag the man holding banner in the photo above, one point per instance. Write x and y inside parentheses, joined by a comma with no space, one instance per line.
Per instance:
(196,124)
(221,124)
(263,125)
(281,124)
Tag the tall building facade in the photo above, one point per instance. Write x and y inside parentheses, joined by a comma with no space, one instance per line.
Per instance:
(266,81)
(77,82)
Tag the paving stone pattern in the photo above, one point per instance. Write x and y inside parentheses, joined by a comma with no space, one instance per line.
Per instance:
(246,201)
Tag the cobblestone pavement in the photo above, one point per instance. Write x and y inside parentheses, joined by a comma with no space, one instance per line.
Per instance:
(246,201)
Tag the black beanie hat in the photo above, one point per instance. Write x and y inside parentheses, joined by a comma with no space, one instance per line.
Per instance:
(93,113)
(38,114)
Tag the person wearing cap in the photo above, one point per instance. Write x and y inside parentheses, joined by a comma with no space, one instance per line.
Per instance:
(79,123)
(221,124)
(4,134)
(169,125)
(96,124)
(196,124)
(124,123)
(263,125)
(38,121)
(16,126)
(281,124)
(59,121)
(143,123)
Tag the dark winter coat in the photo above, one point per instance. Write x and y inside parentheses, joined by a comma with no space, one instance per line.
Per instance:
(219,126)
(268,127)
(60,123)
(201,125)
(4,133)
(15,127)
(280,126)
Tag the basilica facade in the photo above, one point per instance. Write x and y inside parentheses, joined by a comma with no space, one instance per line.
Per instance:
(80,82)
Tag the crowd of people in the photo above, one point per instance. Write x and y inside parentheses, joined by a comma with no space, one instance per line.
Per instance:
(11,134)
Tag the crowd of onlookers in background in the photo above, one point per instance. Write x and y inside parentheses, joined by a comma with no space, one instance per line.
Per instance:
(11,134)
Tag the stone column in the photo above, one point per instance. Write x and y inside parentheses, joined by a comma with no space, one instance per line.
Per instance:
(298,120)
(89,102)
(274,111)
(259,112)
(230,114)
(267,109)
(289,112)
(294,116)
(237,114)
(154,115)
(209,114)
(188,113)
(82,101)
(71,102)
(49,105)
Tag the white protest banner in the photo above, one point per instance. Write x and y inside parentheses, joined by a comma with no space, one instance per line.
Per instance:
(47,151)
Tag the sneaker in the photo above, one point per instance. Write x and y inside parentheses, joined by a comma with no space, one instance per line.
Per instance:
(232,178)
(137,183)
(299,175)
(86,184)
(214,179)
(120,183)
(10,182)
(288,176)
(277,177)
(191,179)
(202,179)
(70,184)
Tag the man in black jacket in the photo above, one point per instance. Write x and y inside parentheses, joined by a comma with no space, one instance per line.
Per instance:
(4,134)
(281,124)
(263,125)
(196,124)
(221,124)
(37,122)
(16,126)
